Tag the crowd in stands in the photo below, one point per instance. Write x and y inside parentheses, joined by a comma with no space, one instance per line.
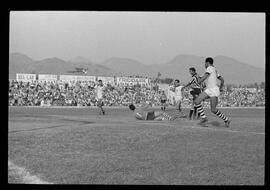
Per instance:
(242,97)
(59,93)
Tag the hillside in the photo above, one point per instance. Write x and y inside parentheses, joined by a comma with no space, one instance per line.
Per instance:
(19,63)
(125,66)
(233,71)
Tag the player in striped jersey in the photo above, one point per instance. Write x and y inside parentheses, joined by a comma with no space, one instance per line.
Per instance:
(196,90)
(212,90)
(143,113)
(163,100)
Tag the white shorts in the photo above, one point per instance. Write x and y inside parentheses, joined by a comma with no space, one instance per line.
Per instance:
(212,92)
(178,98)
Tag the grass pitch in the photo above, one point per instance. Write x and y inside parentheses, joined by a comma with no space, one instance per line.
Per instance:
(79,146)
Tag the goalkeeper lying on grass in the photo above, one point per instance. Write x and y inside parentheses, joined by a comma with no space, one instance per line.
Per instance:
(143,113)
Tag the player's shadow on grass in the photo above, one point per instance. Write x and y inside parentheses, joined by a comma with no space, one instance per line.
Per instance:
(215,123)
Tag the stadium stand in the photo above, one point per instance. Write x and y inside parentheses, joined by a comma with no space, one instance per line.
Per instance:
(81,93)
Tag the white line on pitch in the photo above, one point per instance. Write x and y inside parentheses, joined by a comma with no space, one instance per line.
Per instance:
(231,131)
(164,123)
(201,128)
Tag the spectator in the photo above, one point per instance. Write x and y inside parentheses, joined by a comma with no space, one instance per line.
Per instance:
(62,93)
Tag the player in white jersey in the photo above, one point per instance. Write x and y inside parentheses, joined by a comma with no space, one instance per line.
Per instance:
(99,96)
(178,94)
(212,90)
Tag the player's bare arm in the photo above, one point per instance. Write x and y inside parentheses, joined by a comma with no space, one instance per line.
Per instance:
(183,94)
(221,82)
(185,86)
(203,78)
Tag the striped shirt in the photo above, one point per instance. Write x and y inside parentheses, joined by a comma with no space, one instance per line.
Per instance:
(194,81)
(163,97)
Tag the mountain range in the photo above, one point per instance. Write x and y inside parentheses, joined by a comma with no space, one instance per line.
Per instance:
(232,70)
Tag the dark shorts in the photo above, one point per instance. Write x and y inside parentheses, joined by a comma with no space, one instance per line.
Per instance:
(163,101)
(150,115)
(195,92)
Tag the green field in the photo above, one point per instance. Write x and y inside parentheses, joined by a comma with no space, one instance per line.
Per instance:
(79,146)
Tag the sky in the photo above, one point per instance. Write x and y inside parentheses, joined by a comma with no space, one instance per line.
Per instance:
(148,37)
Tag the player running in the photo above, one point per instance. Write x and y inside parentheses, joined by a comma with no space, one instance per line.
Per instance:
(143,113)
(212,90)
(163,100)
(99,96)
(196,90)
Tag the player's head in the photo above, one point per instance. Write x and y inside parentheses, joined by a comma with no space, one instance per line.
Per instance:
(209,61)
(192,70)
(176,82)
(132,107)
(100,82)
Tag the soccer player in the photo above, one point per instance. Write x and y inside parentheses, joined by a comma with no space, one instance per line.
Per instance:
(143,113)
(212,90)
(99,96)
(196,90)
(178,94)
(163,100)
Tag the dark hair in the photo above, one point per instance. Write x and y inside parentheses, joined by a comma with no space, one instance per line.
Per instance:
(177,80)
(132,107)
(99,80)
(192,69)
(209,60)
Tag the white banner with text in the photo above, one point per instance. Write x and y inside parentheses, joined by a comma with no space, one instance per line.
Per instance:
(132,81)
(25,77)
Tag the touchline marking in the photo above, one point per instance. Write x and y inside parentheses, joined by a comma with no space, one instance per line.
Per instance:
(25,176)
(180,127)
(201,128)
(231,131)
